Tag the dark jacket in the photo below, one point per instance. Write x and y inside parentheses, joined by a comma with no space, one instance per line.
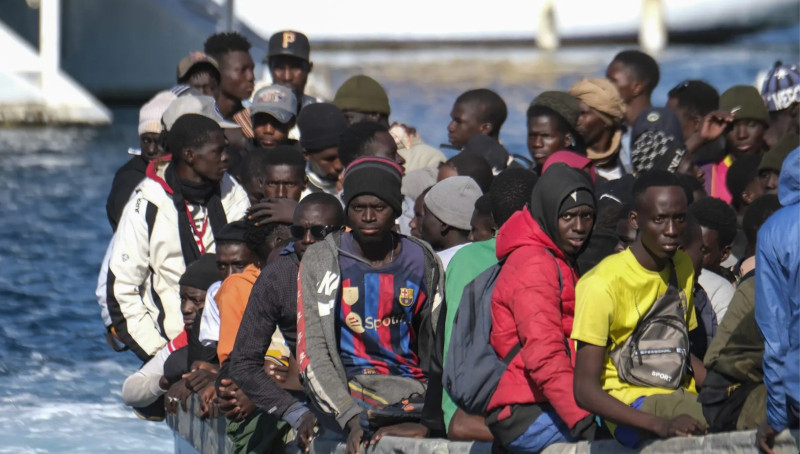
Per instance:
(272,305)
(125,181)
(737,350)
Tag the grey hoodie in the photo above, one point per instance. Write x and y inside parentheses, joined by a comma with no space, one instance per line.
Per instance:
(321,368)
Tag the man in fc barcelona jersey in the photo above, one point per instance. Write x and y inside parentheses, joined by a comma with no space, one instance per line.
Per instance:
(368,304)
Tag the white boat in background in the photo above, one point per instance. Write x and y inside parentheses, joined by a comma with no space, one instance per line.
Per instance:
(502,20)
(125,51)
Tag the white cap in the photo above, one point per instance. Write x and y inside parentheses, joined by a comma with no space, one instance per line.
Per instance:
(200,105)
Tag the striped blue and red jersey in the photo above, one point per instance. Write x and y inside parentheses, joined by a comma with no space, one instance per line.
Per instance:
(376,308)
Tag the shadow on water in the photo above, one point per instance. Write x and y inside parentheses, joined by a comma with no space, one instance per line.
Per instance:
(59,382)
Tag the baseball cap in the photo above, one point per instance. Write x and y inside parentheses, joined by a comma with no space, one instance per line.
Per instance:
(657,141)
(195,58)
(288,42)
(781,87)
(275,100)
(200,105)
(150,114)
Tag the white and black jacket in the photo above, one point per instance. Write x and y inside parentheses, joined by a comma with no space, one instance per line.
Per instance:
(147,262)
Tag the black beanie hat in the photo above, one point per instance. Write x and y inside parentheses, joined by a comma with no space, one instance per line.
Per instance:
(201,273)
(376,176)
(578,197)
(233,231)
(321,125)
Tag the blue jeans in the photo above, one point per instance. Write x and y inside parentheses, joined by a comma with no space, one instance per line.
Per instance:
(626,435)
(546,430)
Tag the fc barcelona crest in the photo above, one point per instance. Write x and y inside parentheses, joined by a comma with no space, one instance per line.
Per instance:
(406,296)
(350,295)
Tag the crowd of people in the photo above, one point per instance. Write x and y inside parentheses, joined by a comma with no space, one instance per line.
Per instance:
(312,270)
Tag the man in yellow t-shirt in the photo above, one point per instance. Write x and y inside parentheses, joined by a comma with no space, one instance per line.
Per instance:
(613,297)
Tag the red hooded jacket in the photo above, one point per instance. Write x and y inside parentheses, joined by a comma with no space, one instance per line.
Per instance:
(527,307)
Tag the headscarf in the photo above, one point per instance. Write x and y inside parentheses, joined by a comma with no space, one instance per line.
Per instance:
(604,99)
(602,96)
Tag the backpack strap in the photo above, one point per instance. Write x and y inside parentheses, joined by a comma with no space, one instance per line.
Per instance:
(673,275)
(512,353)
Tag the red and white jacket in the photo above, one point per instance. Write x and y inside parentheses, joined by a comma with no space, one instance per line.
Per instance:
(146,261)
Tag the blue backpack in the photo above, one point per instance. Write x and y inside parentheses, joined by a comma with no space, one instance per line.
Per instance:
(472,369)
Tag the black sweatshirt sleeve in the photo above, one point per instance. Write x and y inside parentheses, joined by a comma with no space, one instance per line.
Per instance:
(271,296)
(432,414)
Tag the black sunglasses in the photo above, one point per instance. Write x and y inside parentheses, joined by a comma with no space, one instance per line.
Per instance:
(317,231)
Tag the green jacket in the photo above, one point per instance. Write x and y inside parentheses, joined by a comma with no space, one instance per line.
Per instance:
(466,265)
(737,350)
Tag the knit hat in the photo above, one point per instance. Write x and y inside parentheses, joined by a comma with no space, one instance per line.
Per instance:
(744,103)
(489,149)
(657,141)
(376,176)
(275,100)
(773,159)
(233,231)
(362,94)
(781,87)
(321,125)
(200,105)
(201,273)
(151,112)
(291,43)
(416,181)
(561,103)
(452,201)
(194,59)
(580,196)
(602,96)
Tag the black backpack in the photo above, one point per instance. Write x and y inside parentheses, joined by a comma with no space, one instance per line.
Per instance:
(472,369)
(657,352)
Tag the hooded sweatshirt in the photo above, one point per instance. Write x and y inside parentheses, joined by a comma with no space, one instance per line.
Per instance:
(778,296)
(529,306)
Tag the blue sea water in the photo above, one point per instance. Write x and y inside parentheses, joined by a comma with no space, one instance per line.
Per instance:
(59,382)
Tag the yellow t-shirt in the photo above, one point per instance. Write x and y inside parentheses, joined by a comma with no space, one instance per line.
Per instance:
(606,302)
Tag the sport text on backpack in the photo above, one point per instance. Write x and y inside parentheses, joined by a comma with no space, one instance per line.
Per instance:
(472,369)
(657,352)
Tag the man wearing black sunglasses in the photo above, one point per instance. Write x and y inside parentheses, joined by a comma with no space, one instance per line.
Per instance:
(368,306)
(273,305)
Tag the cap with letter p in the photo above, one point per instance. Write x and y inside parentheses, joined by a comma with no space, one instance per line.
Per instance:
(291,43)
